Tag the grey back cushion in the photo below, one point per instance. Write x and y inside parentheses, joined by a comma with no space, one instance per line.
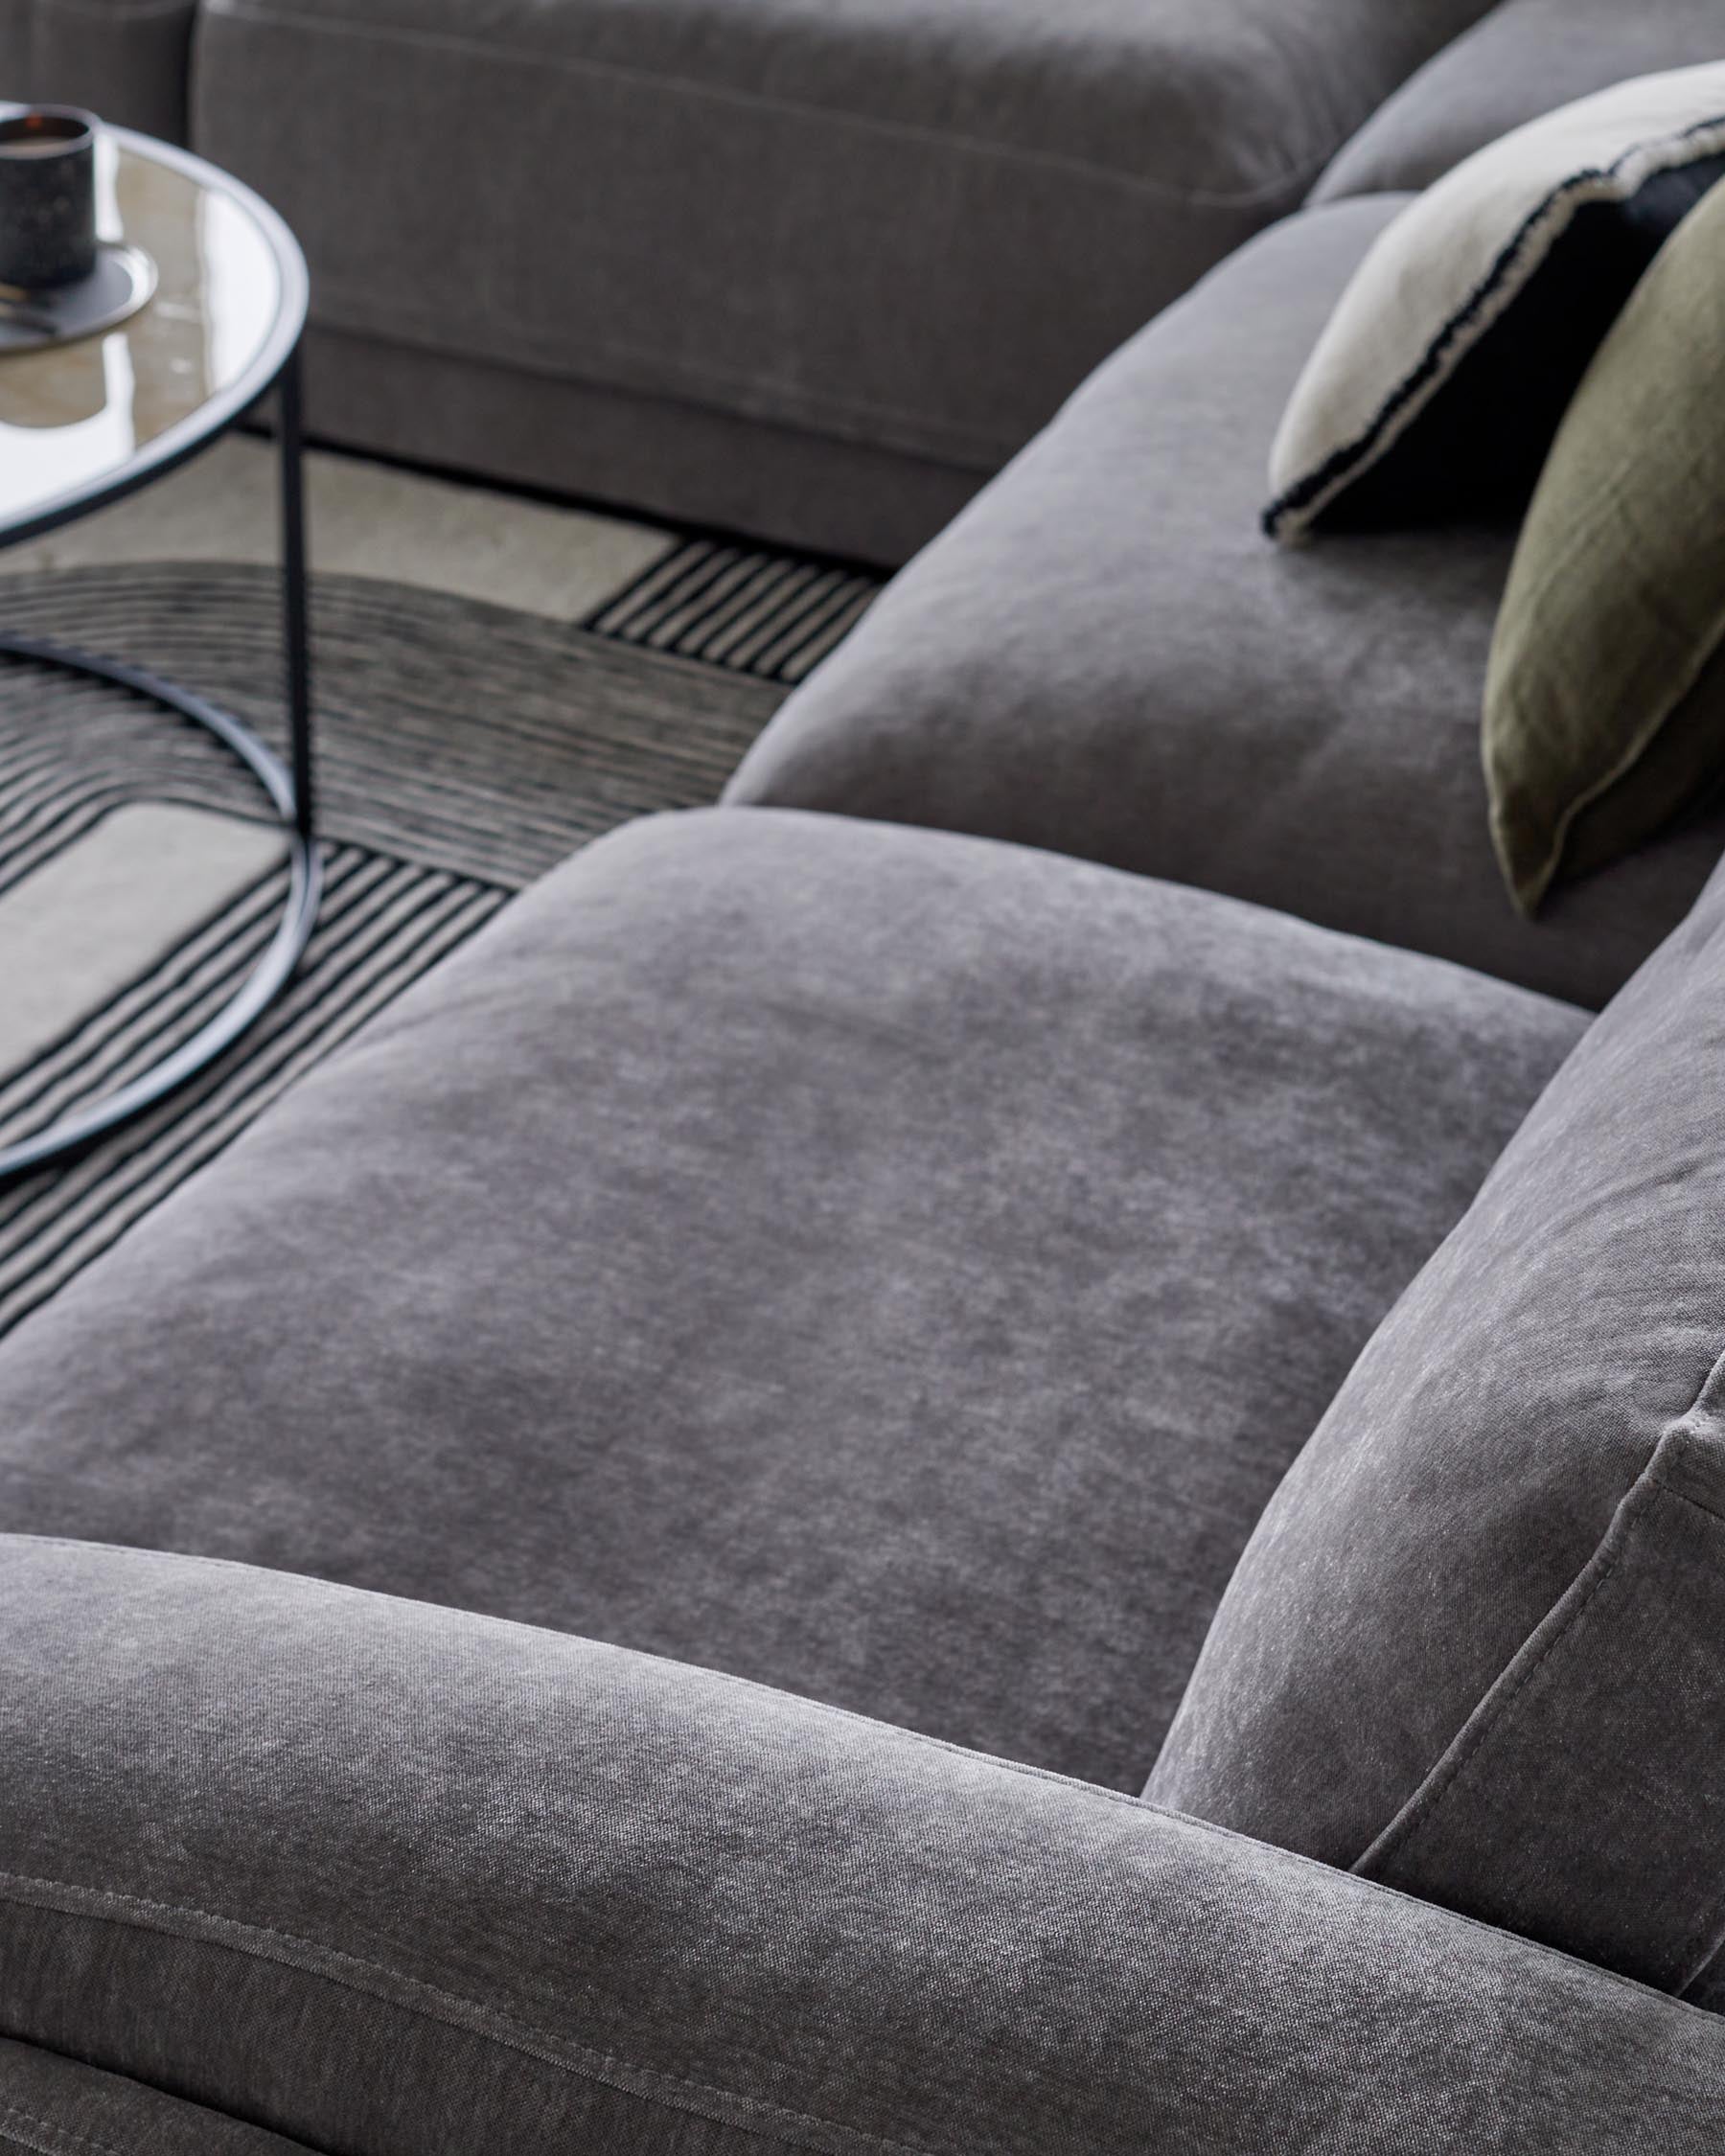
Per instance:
(127,59)
(1476,1648)
(1523,59)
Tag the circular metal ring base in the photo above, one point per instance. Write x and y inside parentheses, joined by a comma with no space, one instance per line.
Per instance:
(267,978)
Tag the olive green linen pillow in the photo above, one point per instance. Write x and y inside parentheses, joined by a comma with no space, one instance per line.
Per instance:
(1605,692)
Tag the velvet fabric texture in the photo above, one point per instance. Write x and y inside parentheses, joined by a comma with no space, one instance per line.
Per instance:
(1475,1645)
(124,59)
(1524,58)
(1103,657)
(392,1879)
(1604,711)
(903,226)
(53,2105)
(892,1267)
(1441,377)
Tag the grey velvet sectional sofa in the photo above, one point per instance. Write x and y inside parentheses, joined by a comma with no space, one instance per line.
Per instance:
(1017,1446)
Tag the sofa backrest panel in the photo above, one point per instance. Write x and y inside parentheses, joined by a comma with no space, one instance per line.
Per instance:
(124,59)
(1524,57)
(811,269)
(1476,1648)
(912,226)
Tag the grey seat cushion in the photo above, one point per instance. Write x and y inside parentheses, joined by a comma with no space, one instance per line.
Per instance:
(1477,1647)
(1105,656)
(1524,58)
(911,223)
(399,1881)
(891,1267)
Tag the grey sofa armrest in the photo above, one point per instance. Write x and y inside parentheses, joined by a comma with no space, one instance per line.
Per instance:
(127,59)
(405,1882)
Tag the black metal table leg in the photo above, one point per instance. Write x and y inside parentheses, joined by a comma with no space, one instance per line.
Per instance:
(288,788)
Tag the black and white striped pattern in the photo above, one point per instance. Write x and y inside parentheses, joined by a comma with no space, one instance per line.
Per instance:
(774,616)
(450,731)
(463,750)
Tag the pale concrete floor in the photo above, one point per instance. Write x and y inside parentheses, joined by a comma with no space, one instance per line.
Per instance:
(364,520)
(98,914)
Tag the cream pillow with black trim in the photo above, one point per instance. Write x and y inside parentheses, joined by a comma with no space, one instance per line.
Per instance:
(1439,381)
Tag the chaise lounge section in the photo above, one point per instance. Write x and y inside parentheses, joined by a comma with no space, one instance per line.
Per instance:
(611,1575)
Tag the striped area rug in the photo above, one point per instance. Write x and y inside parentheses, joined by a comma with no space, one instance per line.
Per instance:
(768,615)
(463,750)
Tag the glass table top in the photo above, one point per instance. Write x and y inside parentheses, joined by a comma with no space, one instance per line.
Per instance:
(83,424)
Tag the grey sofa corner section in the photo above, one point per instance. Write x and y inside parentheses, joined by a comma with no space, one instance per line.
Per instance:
(1474,1646)
(889,1266)
(437,1884)
(1524,57)
(126,59)
(905,228)
(1104,657)
(55,2105)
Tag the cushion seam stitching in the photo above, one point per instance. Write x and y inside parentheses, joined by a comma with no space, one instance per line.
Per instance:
(1687,1497)
(1418,1816)
(564,2053)
(929,435)
(1208,1830)
(1216,198)
(49,2127)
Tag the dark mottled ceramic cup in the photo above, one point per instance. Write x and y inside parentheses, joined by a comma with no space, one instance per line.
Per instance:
(47,197)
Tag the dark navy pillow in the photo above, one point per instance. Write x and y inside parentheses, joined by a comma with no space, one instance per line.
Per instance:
(1440,380)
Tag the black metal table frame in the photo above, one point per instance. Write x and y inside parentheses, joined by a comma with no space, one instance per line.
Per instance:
(288,787)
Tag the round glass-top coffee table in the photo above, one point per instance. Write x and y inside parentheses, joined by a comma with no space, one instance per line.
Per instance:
(84,424)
